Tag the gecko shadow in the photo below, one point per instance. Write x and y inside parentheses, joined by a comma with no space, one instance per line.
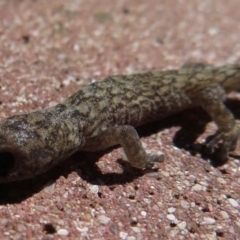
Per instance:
(83,163)
(192,124)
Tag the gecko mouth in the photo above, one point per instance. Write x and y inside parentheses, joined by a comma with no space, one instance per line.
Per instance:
(7,162)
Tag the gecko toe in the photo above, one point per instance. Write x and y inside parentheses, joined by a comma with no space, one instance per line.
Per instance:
(228,143)
(159,157)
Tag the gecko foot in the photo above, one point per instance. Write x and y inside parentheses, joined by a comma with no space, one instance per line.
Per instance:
(153,158)
(228,143)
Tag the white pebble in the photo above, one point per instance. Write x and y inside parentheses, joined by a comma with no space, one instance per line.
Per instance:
(165,174)
(94,188)
(146,200)
(136,229)
(238,223)
(123,235)
(143,213)
(103,219)
(209,220)
(185,204)
(76,47)
(233,202)
(182,225)
(221,180)
(131,238)
(197,187)
(224,215)
(171,210)
(174,232)
(210,237)
(62,232)
(171,217)
(84,229)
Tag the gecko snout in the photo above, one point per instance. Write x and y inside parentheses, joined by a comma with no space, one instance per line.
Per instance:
(7,162)
(11,162)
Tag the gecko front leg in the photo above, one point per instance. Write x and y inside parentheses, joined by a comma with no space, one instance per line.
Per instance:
(211,100)
(127,137)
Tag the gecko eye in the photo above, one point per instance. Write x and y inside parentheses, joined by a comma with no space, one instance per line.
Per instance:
(6,163)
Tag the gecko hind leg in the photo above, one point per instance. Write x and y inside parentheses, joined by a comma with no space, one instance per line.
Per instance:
(211,100)
(127,137)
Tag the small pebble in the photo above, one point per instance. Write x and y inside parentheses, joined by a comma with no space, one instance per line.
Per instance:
(210,237)
(165,174)
(171,210)
(197,187)
(114,228)
(94,189)
(171,217)
(49,187)
(103,219)
(136,229)
(209,220)
(174,232)
(21,227)
(84,229)
(155,207)
(224,215)
(221,180)
(39,208)
(131,238)
(238,223)
(62,232)
(143,213)
(185,204)
(182,225)
(233,202)
(146,200)
(153,175)
(134,219)
(123,235)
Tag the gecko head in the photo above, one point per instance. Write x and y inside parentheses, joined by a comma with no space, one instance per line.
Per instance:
(32,143)
(22,148)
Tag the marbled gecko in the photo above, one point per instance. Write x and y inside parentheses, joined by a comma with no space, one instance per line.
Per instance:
(103,114)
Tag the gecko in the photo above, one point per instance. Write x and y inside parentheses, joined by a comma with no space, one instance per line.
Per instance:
(105,114)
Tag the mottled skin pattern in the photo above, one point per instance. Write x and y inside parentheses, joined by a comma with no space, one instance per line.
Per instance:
(103,114)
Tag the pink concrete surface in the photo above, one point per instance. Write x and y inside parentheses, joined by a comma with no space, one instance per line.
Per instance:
(48,50)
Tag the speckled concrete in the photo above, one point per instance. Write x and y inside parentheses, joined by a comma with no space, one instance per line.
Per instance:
(49,49)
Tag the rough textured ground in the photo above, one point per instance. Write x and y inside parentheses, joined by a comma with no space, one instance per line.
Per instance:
(49,49)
